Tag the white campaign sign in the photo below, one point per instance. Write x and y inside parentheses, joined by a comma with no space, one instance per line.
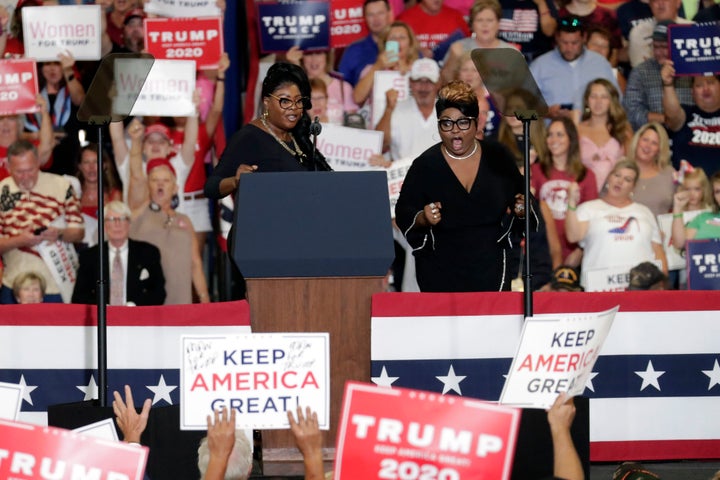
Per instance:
(183,8)
(11,397)
(261,376)
(104,430)
(349,149)
(556,354)
(62,261)
(395,178)
(384,81)
(167,91)
(49,30)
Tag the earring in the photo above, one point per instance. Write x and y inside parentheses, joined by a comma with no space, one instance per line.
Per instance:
(265,114)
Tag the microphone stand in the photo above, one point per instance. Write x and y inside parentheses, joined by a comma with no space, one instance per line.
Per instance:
(315,129)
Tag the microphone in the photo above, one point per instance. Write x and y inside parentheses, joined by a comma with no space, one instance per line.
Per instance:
(315,129)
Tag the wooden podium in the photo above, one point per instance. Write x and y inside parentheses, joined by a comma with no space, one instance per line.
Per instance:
(314,248)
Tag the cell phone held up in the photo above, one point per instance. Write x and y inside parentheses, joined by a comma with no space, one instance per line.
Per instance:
(392,47)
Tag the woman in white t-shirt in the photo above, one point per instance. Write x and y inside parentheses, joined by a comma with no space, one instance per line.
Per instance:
(614,231)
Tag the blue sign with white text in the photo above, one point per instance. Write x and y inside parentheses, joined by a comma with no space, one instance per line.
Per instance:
(695,49)
(302,24)
(703,264)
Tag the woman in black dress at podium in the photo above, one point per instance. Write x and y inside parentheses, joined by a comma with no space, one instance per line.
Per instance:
(454,200)
(278,141)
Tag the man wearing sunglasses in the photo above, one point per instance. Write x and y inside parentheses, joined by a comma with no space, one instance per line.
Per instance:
(563,73)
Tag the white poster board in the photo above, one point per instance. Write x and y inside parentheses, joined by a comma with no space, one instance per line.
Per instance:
(167,91)
(49,30)
(62,261)
(11,397)
(261,375)
(608,279)
(395,178)
(556,354)
(183,8)
(104,430)
(384,81)
(349,149)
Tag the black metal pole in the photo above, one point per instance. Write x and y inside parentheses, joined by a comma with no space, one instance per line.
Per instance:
(101,300)
(526,118)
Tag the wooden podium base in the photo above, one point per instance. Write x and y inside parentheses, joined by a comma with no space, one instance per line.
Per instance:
(338,305)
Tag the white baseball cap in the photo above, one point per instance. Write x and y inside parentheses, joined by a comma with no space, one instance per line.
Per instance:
(425,68)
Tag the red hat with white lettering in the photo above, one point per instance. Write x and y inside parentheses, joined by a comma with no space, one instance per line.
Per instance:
(133,13)
(158,128)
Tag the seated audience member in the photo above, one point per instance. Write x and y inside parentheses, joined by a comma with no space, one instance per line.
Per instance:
(643,99)
(35,205)
(156,221)
(551,177)
(633,471)
(605,133)
(563,73)
(433,23)
(564,279)
(318,65)
(598,39)
(226,453)
(647,276)
(485,18)
(134,268)
(29,287)
(640,37)
(650,150)
(613,230)
(695,136)
(706,225)
(365,51)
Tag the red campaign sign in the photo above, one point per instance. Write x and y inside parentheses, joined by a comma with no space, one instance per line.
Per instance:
(199,39)
(347,22)
(18,86)
(35,452)
(397,433)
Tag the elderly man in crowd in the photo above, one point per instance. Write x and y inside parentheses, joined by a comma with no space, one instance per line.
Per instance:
(35,207)
(134,269)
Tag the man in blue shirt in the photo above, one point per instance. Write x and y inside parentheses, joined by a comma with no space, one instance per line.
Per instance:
(364,52)
(563,73)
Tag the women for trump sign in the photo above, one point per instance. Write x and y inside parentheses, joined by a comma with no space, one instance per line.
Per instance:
(395,433)
(261,376)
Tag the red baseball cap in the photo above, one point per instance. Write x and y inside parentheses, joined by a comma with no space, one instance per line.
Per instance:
(158,128)
(135,12)
(159,162)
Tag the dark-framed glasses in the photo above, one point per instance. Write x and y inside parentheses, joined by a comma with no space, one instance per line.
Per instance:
(463,123)
(287,104)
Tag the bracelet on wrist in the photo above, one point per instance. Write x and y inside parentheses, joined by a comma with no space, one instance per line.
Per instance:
(677,215)
(70,78)
(572,208)
(667,84)
(220,79)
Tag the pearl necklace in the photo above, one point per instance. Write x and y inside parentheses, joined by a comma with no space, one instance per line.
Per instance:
(297,153)
(447,152)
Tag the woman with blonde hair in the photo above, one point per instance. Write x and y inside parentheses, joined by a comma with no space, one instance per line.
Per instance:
(706,225)
(605,132)
(650,150)
(408,52)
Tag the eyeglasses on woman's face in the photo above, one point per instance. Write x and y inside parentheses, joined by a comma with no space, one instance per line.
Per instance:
(287,104)
(446,124)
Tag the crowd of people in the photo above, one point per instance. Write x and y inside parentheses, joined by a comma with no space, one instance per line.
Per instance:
(637,145)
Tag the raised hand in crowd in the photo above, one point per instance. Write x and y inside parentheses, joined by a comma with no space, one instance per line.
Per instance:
(220,442)
(308,439)
(131,423)
(294,55)
(566,460)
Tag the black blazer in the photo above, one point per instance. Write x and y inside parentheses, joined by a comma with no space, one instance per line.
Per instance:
(144,282)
